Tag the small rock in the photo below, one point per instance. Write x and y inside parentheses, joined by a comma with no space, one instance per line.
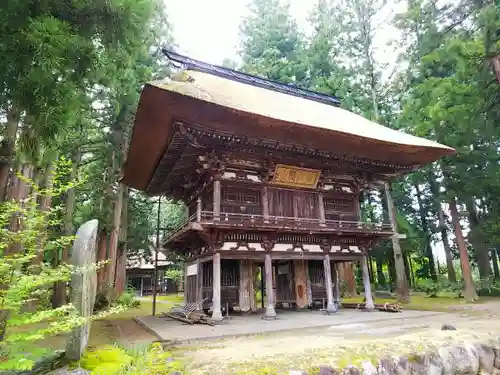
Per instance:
(351,370)
(367,368)
(448,327)
(390,366)
(486,357)
(325,370)
(67,371)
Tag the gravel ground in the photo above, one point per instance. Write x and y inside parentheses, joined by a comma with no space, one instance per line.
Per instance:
(335,345)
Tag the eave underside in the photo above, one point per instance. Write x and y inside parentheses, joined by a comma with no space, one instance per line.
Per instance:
(176,173)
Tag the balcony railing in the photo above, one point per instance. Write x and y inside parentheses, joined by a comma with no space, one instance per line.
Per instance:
(280,222)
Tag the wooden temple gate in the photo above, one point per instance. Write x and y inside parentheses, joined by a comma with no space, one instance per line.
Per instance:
(272,176)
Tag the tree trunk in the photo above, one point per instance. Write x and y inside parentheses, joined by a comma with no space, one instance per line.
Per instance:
(59,293)
(7,150)
(102,241)
(380,272)
(452,277)
(478,242)
(45,203)
(494,260)
(121,266)
(423,213)
(403,291)
(470,291)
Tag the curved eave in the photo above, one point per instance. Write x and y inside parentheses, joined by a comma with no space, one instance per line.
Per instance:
(160,105)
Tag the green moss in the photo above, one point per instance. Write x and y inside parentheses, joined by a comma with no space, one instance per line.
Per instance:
(137,360)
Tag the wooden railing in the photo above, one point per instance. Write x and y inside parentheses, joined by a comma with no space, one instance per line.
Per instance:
(247,220)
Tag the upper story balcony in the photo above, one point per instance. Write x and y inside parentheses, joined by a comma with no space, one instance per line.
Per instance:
(345,225)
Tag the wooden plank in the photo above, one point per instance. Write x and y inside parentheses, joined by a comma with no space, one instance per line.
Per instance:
(300,273)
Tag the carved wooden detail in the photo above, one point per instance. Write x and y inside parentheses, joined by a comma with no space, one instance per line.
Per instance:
(245,245)
(298,246)
(325,245)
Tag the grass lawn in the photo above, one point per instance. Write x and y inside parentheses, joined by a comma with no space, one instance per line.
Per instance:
(419,301)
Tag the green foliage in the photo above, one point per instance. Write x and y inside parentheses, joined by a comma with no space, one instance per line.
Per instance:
(128,299)
(137,360)
(271,43)
(25,282)
(174,274)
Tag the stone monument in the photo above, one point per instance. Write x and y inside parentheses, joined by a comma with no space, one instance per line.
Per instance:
(83,285)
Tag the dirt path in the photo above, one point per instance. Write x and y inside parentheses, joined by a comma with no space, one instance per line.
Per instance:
(335,345)
(131,333)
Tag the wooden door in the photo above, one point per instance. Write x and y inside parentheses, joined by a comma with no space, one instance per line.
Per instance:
(280,202)
(305,205)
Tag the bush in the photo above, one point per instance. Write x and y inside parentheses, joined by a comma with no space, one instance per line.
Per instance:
(26,282)
(457,288)
(488,287)
(430,287)
(128,299)
(136,360)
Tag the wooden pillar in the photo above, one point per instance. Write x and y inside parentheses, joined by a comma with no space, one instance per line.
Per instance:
(336,282)
(265,205)
(401,281)
(268,266)
(198,209)
(330,305)
(366,283)
(321,207)
(216,199)
(199,280)
(300,276)
(247,291)
(309,287)
(350,279)
(216,298)
(142,286)
(184,283)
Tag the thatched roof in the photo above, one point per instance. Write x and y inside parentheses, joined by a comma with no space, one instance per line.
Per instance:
(275,105)
(239,107)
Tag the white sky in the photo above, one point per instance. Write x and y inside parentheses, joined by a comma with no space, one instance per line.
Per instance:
(209,31)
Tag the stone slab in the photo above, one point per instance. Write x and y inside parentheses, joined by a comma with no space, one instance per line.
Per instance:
(168,330)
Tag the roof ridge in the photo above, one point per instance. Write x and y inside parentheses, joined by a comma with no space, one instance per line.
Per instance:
(249,79)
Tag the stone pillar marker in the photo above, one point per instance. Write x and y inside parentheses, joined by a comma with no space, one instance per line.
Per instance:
(268,266)
(366,283)
(330,305)
(216,298)
(83,285)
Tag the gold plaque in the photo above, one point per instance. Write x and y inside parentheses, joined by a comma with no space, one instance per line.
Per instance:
(296,176)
